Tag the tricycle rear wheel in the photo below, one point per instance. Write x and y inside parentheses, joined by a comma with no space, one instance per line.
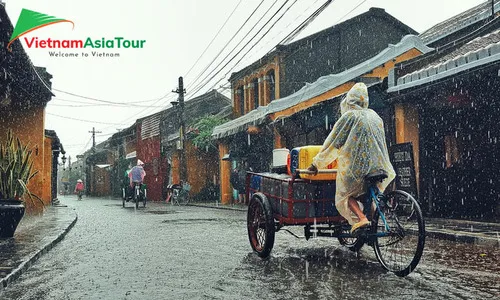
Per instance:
(260,225)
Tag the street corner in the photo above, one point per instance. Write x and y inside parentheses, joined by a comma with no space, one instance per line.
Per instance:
(35,236)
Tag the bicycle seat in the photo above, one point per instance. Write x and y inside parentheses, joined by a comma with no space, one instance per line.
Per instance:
(376,176)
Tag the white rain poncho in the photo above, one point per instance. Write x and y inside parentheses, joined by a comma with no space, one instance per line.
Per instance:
(357,140)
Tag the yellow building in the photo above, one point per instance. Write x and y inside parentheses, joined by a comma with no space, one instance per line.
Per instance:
(307,116)
(24,93)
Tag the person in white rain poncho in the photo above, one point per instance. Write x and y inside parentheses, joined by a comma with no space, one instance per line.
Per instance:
(358,141)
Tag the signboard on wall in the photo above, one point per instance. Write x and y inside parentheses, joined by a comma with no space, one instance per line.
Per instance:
(401,156)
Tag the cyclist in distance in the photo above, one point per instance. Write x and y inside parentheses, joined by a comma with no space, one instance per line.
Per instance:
(136,175)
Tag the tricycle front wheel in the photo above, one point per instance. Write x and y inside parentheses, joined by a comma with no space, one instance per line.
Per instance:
(260,225)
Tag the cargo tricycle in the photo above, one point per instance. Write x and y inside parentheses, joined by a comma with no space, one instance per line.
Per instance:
(396,233)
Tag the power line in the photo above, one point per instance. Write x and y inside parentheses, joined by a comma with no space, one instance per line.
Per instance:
(252,45)
(204,83)
(275,36)
(81,120)
(89,104)
(50,89)
(100,100)
(84,147)
(213,39)
(351,11)
(300,27)
(231,39)
(306,23)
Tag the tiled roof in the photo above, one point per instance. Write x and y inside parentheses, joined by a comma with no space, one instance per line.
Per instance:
(458,22)
(319,87)
(480,51)
(151,126)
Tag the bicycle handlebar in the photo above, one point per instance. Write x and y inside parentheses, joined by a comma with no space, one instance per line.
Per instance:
(322,171)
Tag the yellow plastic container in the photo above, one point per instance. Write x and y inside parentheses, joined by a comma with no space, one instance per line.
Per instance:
(304,156)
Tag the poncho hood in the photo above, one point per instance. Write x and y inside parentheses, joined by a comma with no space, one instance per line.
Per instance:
(356,98)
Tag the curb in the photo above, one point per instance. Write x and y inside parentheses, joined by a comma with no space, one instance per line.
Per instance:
(16,272)
(226,207)
(456,236)
(463,238)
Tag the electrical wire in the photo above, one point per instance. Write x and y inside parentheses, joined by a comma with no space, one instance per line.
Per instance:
(204,83)
(231,39)
(213,39)
(252,45)
(90,104)
(305,23)
(351,11)
(246,62)
(81,120)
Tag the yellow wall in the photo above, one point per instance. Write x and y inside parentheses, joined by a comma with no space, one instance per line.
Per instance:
(226,191)
(407,130)
(201,166)
(248,93)
(29,126)
(47,178)
(175,168)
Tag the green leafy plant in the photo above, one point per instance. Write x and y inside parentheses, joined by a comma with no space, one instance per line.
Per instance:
(202,137)
(16,170)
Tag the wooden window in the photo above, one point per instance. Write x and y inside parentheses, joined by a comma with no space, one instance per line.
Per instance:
(272,85)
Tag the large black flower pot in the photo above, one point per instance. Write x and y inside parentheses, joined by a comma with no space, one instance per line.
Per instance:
(11,213)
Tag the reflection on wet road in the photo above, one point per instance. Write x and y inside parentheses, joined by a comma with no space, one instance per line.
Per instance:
(177,252)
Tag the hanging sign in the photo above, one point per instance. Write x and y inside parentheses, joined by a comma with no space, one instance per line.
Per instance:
(401,156)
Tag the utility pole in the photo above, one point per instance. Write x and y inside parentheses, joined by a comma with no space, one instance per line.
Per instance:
(182,127)
(93,138)
(92,170)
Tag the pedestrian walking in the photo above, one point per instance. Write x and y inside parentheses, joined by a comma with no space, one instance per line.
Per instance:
(79,188)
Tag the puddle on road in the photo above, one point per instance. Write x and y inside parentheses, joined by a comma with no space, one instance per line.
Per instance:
(162,212)
(190,221)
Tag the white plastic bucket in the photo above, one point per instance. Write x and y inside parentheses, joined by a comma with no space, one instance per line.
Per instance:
(280,157)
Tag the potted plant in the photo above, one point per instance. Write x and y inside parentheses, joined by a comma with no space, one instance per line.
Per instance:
(16,170)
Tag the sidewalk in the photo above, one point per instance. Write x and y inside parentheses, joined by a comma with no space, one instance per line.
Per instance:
(35,235)
(447,229)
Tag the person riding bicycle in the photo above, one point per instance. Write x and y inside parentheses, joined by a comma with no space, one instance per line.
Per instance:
(79,188)
(358,141)
(136,175)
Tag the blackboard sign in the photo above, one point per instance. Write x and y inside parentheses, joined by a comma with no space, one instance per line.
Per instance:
(401,156)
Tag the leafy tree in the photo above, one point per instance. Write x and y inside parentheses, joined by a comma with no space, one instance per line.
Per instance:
(204,127)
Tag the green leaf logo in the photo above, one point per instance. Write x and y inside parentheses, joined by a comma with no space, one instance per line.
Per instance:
(31,20)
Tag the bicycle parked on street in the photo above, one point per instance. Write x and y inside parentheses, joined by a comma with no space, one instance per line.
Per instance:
(180,193)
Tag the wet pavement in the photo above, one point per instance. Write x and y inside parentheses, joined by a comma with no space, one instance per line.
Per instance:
(298,268)
(34,236)
(483,233)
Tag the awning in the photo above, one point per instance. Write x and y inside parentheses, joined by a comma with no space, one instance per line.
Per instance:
(319,87)
(255,117)
(132,154)
(487,52)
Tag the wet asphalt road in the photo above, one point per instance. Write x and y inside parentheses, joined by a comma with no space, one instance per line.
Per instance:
(178,252)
